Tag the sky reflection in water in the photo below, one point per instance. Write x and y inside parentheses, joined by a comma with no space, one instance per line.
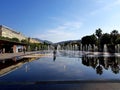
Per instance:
(63,66)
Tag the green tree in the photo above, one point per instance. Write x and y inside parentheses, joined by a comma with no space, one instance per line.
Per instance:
(15,39)
(114,36)
(24,41)
(85,40)
(89,40)
(5,38)
(92,39)
(117,41)
(34,46)
(98,33)
(105,39)
(114,32)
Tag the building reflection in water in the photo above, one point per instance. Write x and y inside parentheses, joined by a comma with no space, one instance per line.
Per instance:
(100,63)
(97,63)
(9,65)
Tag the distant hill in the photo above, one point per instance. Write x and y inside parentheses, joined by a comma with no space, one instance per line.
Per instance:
(62,42)
(44,41)
(69,41)
(48,42)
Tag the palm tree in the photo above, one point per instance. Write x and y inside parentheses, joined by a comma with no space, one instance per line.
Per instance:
(105,39)
(98,33)
(114,32)
(114,36)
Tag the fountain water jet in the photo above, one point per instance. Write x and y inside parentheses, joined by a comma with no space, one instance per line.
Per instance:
(105,48)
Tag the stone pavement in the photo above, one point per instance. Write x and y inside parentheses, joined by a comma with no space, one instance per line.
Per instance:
(80,86)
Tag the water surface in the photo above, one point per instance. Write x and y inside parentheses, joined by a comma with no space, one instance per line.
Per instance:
(64,66)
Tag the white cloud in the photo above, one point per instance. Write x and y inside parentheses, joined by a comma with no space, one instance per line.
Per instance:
(66,31)
(109,5)
(100,1)
(57,19)
(73,25)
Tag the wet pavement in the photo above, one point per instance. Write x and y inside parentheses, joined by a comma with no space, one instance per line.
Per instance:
(80,86)
(12,55)
(56,85)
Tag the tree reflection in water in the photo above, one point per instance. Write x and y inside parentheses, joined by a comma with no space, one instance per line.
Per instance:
(115,67)
(100,63)
(99,69)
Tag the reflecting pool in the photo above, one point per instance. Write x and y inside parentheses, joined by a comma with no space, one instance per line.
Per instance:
(62,66)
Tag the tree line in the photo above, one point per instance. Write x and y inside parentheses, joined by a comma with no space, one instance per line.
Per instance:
(99,39)
(32,46)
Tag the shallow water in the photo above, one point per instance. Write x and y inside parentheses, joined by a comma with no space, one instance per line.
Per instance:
(64,66)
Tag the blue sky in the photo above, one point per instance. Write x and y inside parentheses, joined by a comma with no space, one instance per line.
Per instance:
(60,20)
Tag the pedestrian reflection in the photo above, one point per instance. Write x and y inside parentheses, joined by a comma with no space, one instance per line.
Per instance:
(54,55)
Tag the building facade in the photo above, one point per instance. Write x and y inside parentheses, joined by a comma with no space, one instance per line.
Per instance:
(7,32)
(32,40)
(7,46)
